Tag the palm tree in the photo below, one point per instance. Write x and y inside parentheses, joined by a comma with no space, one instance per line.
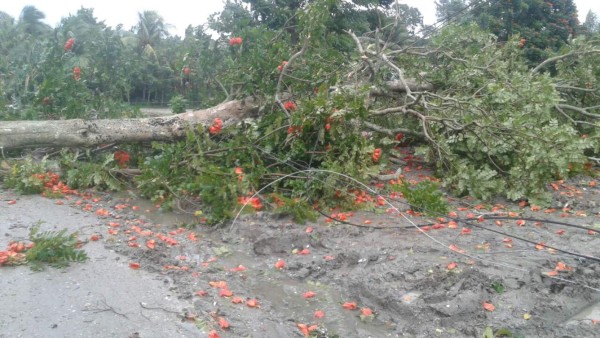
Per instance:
(30,21)
(151,28)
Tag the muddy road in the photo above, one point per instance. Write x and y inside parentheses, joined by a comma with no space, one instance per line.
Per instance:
(363,274)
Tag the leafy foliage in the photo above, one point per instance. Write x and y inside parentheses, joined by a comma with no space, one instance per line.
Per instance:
(490,119)
(28,176)
(87,174)
(56,248)
(507,138)
(424,197)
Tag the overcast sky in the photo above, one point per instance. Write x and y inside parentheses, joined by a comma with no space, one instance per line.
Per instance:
(179,13)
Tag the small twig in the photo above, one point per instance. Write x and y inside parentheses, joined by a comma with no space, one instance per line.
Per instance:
(390,177)
(107,307)
(158,308)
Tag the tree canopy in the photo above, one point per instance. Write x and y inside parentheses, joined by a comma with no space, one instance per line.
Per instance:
(501,102)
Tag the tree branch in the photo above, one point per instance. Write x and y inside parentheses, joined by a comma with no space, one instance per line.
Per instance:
(560,57)
(363,56)
(283,71)
(581,111)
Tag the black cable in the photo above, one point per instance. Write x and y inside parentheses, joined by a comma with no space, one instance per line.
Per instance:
(472,223)
(541,220)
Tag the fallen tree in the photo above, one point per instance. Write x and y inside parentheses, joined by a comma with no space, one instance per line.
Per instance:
(86,133)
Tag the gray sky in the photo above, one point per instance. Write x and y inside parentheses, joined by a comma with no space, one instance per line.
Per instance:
(179,13)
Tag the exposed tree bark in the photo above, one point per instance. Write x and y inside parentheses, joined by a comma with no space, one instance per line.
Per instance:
(86,133)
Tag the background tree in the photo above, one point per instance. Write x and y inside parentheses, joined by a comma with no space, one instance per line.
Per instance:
(30,22)
(591,24)
(545,26)
(454,10)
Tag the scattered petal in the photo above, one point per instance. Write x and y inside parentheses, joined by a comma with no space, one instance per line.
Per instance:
(489,306)
(304,252)
(238,268)
(223,323)
(237,300)
(225,293)
(365,311)
(134,266)
(451,266)
(309,294)
(150,244)
(252,303)
(526,316)
(305,329)
(280,264)
(220,284)
(349,305)
(319,314)
(456,249)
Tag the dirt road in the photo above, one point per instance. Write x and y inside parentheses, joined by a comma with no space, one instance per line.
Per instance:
(102,297)
(361,275)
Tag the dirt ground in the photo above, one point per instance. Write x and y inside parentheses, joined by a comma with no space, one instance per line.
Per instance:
(265,276)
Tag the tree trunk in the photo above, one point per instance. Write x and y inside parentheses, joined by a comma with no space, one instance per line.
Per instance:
(86,133)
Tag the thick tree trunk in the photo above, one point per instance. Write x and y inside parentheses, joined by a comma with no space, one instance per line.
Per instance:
(85,133)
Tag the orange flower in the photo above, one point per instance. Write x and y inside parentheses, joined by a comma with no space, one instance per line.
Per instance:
(289,105)
(69,44)
(216,126)
(122,158)
(376,154)
(235,41)
(280,67)
(76,73)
